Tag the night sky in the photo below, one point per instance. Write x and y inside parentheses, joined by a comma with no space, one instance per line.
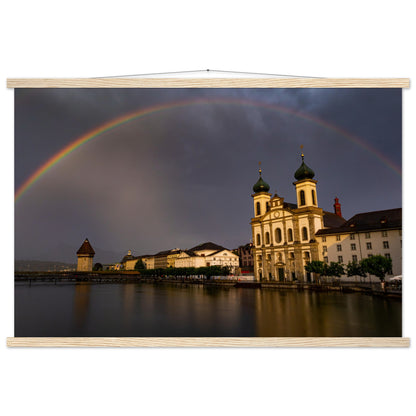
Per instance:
(184,176)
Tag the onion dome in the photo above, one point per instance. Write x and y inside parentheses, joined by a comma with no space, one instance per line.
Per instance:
(260,185)
(304,172)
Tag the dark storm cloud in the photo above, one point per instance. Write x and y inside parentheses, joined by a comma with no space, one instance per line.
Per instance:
(184,176)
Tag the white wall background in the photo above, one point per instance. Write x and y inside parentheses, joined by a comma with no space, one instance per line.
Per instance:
(91,39)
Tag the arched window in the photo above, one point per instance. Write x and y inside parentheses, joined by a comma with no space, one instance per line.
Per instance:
(258,212)
(313,197)
(302,197)
(267,238)
(267,206)
(290,234)
(258,239)
(304,233)
(278,235)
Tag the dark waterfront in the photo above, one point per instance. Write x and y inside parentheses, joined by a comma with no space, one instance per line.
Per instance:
(157,310)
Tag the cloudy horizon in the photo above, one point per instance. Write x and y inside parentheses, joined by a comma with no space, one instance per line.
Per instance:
(184,175)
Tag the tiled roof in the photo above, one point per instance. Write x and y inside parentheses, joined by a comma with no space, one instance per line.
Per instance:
(208,246)
(368,221)
(86,248)
(190,253)
(333,220)
(167,252)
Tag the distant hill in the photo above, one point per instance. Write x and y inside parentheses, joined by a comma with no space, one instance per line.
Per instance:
(42,266)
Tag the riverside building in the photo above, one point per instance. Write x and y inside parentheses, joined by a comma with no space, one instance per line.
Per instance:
(207,254)
(202,255)
(287,236)
(365,235)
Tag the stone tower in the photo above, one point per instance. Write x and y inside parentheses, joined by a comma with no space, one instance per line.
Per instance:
(85,257)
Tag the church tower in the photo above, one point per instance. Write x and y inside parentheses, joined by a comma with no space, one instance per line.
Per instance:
(305,186)
(261,197)
(85,256)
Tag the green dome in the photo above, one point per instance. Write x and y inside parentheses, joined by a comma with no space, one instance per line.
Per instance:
(304,172)
(261,186)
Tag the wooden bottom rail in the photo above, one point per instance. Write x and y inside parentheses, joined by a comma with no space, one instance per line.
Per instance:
(208,342)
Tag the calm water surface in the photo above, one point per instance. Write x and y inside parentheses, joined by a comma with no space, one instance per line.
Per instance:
(157,310)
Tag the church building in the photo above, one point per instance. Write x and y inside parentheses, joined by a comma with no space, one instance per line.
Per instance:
(284,233)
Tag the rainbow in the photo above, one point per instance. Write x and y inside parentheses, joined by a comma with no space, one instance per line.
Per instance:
(90,135)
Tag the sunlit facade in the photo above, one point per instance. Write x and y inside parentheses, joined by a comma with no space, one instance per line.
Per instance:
(283,233)
(365,235)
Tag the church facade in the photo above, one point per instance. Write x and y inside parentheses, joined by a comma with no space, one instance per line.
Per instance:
(283,233)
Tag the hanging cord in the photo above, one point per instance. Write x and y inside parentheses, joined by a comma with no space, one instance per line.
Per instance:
(207,70)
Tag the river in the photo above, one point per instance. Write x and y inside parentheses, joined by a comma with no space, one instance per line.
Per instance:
(158,310)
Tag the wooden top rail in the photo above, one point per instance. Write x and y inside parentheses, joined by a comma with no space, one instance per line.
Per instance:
(208,83)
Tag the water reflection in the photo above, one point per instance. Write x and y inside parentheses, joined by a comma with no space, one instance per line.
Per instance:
(315,314)
(193,310)
(81,304)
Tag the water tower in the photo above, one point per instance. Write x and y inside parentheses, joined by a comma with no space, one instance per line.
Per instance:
(85,256)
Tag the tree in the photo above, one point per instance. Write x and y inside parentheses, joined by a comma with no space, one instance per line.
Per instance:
(378,266)
(97,267)
(355,269)
(335,269)
(318,267)
(139,265)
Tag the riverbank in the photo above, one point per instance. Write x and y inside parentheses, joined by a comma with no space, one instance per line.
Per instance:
(135,277)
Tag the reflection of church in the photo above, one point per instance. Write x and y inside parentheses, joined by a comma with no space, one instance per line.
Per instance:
(284,233)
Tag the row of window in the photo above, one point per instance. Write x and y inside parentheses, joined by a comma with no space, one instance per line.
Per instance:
(354,258)
(354,246)
(279,256)
(367,235)
(278,236)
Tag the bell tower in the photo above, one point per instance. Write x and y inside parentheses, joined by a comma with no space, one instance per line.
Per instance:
(261,196)
(305,186)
